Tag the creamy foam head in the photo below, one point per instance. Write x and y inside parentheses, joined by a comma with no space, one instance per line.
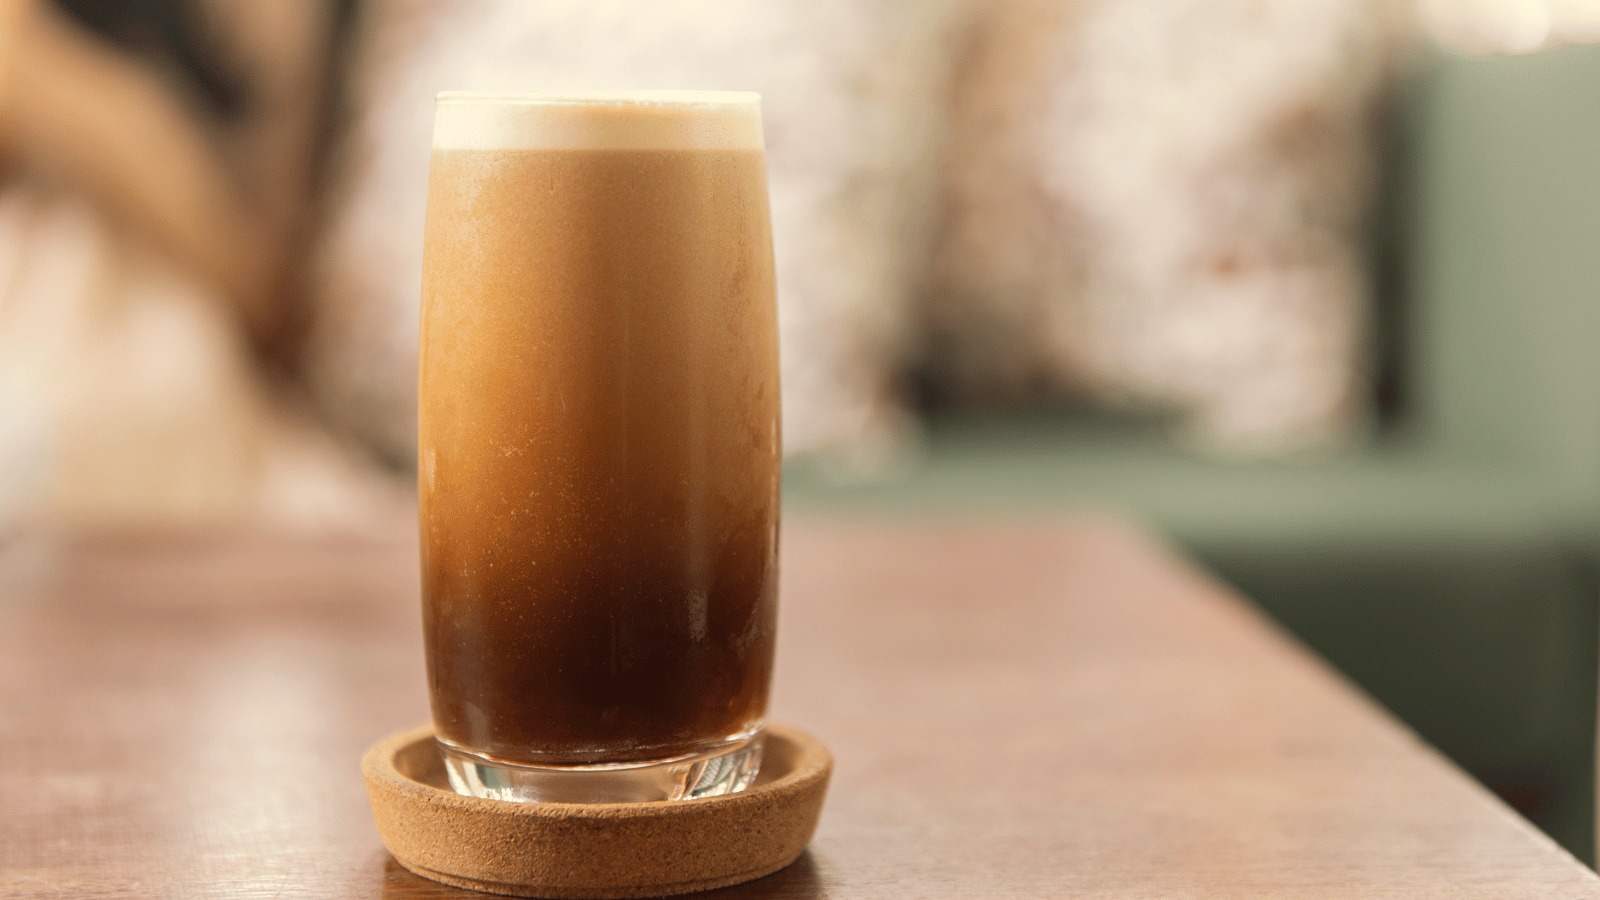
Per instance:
(617,120)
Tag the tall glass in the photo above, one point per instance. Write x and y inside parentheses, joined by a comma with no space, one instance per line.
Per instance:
(598,444)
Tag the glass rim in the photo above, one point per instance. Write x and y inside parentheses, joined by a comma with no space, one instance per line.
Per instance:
(646,98)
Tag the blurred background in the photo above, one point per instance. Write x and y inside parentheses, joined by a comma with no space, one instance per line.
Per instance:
(1311,287)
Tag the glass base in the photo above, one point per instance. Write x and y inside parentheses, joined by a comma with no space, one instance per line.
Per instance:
(727,769)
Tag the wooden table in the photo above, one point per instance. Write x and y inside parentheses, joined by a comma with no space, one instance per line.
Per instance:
(1029,710)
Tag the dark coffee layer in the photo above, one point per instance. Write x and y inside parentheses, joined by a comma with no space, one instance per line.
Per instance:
(598,451)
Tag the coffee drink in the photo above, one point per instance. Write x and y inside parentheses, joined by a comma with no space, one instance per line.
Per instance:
(598,439)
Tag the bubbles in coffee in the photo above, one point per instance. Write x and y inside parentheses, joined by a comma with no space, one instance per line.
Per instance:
(598,446)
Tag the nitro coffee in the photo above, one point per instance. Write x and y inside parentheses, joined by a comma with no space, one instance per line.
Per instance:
(598,438)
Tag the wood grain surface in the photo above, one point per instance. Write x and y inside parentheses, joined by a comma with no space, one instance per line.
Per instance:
(1015,711)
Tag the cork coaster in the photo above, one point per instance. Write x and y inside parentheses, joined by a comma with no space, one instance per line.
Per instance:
(569,850)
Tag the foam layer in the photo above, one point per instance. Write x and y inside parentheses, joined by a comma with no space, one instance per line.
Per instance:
(619,120)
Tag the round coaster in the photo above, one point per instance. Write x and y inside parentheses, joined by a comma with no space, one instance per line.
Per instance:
(598,850)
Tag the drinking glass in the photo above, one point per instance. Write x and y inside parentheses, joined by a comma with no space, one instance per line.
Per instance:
(598,444)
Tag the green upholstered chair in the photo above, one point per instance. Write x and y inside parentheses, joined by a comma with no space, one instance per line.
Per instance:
(1451,566)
